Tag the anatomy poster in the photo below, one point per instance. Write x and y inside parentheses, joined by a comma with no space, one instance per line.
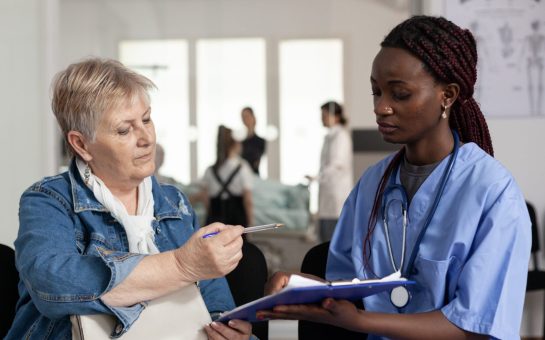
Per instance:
(510,37)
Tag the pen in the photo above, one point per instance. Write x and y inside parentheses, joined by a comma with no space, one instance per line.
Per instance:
(251,229)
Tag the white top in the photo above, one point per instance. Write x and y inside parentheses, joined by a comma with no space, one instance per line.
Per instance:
(243,180)
(336,174)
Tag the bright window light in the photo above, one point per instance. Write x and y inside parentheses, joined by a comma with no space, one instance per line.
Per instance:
(165,62)
(230,75)
(311,73)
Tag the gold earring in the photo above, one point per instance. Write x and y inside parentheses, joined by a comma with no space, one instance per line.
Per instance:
(444,114)
(87,174)
(388,110)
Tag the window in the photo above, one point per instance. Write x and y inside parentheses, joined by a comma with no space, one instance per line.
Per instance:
(165,62)
(230,75)
(310,75)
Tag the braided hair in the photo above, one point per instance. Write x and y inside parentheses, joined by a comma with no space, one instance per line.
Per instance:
(449,54)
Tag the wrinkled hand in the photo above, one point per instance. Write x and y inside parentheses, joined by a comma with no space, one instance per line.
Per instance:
(340,313)
(235,330)
(207,258)
(276,282)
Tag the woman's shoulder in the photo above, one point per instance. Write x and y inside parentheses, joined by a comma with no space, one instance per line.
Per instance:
(59,183)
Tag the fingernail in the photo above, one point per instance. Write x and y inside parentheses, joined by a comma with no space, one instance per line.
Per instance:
(214,324)
(232,323)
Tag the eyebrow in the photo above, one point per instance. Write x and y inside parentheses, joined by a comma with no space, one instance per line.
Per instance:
(130,120)
(391,82)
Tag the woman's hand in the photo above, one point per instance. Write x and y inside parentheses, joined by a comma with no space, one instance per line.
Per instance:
(215,256)
(236,330)
(340,313)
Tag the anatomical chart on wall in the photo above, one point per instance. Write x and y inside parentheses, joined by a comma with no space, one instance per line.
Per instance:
(510,36)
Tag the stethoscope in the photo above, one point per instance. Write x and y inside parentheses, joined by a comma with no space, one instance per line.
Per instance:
(400,296)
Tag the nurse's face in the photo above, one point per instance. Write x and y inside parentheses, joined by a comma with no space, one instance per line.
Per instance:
(407,99)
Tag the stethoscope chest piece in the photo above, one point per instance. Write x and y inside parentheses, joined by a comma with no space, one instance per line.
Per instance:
(399,296)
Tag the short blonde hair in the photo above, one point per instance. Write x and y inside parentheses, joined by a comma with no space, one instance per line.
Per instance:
(87,89)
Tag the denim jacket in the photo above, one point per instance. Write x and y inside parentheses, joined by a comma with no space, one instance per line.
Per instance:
(70,251)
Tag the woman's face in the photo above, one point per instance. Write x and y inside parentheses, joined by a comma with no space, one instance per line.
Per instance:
(407,99)
(123,152)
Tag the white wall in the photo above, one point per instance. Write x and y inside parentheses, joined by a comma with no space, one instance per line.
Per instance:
(26,139)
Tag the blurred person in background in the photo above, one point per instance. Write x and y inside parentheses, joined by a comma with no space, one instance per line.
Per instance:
(253,146)
(335,178)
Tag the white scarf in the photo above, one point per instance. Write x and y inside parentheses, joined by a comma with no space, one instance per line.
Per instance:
(138,228)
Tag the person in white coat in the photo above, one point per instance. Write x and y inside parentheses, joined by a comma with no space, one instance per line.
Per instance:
(335,178)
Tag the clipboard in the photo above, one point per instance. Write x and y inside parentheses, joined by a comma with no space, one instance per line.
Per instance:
(343,290)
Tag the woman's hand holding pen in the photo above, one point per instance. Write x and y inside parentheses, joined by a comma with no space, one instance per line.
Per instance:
(206,258)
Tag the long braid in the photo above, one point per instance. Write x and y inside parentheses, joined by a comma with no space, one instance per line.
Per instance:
(449,54)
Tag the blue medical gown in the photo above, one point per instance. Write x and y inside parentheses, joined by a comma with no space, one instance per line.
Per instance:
(473,259)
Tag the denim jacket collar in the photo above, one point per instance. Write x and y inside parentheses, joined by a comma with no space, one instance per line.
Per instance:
(84,198)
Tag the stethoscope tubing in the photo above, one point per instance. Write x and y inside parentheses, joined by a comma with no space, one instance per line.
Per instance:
(404,202)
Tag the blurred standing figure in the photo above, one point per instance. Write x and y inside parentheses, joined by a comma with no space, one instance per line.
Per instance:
(253,147)
(335,178)
(159,160)
(227,185)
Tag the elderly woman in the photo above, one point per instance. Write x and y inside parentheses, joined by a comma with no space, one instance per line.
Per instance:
(105,235)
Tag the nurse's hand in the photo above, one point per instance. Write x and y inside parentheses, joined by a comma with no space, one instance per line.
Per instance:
(340,313)
(280,280)
(276,282)
(236,330)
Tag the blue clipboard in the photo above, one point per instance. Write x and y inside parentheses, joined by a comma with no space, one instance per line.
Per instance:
(310,295)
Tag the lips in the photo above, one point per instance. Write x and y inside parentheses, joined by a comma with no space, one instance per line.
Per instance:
(386,128)
(145,157)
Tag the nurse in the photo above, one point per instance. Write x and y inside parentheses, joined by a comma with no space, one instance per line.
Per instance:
(467,231)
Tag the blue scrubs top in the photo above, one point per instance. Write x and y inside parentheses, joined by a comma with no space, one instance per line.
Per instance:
(472,262)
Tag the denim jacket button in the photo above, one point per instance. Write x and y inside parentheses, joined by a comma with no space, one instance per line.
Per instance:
(118,328)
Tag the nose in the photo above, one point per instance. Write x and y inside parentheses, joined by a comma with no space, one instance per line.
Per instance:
(147,135)
(383,110)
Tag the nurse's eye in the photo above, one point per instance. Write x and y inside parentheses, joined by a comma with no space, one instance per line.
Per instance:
(401,95)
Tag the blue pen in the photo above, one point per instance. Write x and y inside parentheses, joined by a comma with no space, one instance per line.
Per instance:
(251,229)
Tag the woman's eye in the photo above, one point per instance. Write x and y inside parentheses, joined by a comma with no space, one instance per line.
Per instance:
(146,120)
(123,132)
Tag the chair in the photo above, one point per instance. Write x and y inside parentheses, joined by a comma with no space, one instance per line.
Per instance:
(536,277)
(247,282)
(8,287)
(315,263)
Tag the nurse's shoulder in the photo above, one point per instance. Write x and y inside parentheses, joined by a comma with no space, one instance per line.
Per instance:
(482,172)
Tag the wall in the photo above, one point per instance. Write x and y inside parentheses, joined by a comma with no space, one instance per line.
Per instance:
(27,134)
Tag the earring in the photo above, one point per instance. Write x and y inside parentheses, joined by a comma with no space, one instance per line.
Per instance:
(87,174)
(388,110)
(444,114)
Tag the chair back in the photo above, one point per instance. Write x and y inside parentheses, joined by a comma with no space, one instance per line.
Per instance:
(535,234)
(247,282)
(8,287)
(315,263)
